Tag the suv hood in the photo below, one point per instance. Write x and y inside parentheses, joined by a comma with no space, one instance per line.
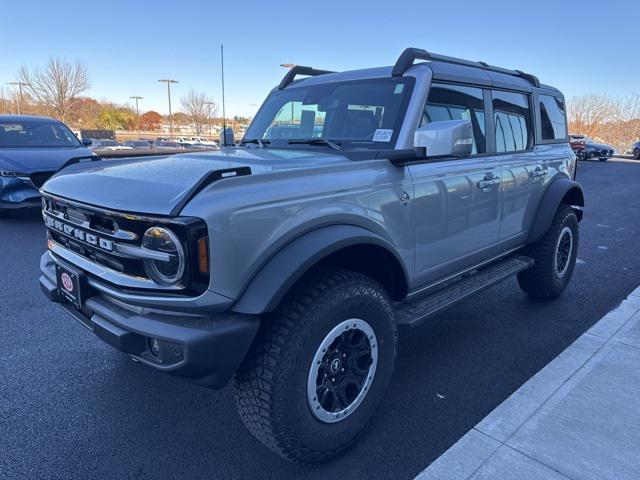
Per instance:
(30,160)
(155,185)
(598,145)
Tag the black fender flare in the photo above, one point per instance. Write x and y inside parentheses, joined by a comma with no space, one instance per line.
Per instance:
(561,188)
(282,270)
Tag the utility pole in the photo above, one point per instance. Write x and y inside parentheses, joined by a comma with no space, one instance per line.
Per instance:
(208,104)
(19,85)
(169,81)
(136,98)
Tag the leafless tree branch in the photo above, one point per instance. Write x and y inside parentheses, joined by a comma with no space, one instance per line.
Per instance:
(58,86)
(199,108)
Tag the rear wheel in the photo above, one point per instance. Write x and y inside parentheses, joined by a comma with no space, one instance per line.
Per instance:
(319,366)
(555,257)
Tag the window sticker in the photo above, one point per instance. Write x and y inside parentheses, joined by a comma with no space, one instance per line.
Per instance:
(382,135)
(398,89)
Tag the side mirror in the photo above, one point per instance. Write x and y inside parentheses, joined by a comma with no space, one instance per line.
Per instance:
(226,138)
(445,139)
(86,142)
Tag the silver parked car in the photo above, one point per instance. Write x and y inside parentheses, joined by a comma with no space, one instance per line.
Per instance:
(357,203)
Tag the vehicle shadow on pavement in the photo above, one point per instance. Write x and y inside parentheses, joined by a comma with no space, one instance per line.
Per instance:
(149,420)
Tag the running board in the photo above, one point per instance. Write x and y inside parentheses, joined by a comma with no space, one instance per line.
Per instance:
(412,314)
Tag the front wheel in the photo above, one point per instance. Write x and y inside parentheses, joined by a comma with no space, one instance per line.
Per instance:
(555,257)
(636,154)
(319,366)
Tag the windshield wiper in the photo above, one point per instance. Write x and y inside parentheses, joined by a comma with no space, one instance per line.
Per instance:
(261,143)
(317,141)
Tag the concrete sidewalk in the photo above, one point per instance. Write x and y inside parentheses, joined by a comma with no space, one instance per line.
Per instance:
(578,418)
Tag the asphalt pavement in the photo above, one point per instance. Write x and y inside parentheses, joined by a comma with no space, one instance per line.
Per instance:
(72,407)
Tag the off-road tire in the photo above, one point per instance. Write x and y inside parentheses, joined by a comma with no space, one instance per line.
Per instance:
(541,280)
(271,384)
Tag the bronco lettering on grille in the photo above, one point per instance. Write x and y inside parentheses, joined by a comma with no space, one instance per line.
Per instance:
(77,234)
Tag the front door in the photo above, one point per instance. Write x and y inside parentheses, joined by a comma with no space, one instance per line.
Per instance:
(457,201)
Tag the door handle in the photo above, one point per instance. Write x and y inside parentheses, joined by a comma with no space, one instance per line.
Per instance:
(538,172)
(488,181)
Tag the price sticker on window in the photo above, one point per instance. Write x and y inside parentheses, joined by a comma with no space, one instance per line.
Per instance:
(382,135)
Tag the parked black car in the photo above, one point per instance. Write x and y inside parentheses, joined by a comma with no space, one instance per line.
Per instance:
(32,149)
(601,151)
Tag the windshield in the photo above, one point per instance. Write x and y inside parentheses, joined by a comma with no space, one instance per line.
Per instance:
(355,114)
(16,134)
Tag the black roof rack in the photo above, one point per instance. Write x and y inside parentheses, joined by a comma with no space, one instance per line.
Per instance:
(300,70)
(406,59)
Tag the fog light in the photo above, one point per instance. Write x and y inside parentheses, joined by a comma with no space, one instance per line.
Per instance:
(154,346)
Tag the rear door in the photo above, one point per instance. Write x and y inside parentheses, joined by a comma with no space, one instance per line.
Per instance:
(523,170)
(457,201)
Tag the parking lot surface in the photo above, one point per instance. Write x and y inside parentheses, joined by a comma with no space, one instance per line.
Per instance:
(72,407)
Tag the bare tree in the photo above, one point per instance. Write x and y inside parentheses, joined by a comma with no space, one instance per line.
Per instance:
(588,112)
(199,108)
(58,86)
(4,103)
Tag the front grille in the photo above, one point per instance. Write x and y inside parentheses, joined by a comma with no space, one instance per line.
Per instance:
(112,239)
(102,226)
(39,178)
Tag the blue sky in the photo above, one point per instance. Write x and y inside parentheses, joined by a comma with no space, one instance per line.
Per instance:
(129,45)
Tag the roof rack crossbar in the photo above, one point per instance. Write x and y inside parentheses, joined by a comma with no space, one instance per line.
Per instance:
(410,55)
(300,70)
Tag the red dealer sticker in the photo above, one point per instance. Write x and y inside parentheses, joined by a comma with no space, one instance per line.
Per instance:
(67,283)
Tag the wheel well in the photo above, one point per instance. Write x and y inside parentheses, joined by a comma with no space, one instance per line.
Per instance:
(574,198)
(373,261)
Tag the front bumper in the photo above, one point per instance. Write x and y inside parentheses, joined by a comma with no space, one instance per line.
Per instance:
(18,194)
(204,349)
(599,153)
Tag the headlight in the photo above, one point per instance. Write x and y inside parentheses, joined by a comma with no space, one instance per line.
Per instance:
(8,173)
(168,269)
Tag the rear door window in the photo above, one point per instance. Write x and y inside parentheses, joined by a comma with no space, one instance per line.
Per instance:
(512,118)
(457,102)
(553,124)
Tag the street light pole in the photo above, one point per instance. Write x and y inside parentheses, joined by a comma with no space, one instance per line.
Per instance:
(290,66)
(136,98)
(208,104)
(169,81)
(19,85)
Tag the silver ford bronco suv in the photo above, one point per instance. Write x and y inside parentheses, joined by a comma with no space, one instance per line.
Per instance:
(356,204)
